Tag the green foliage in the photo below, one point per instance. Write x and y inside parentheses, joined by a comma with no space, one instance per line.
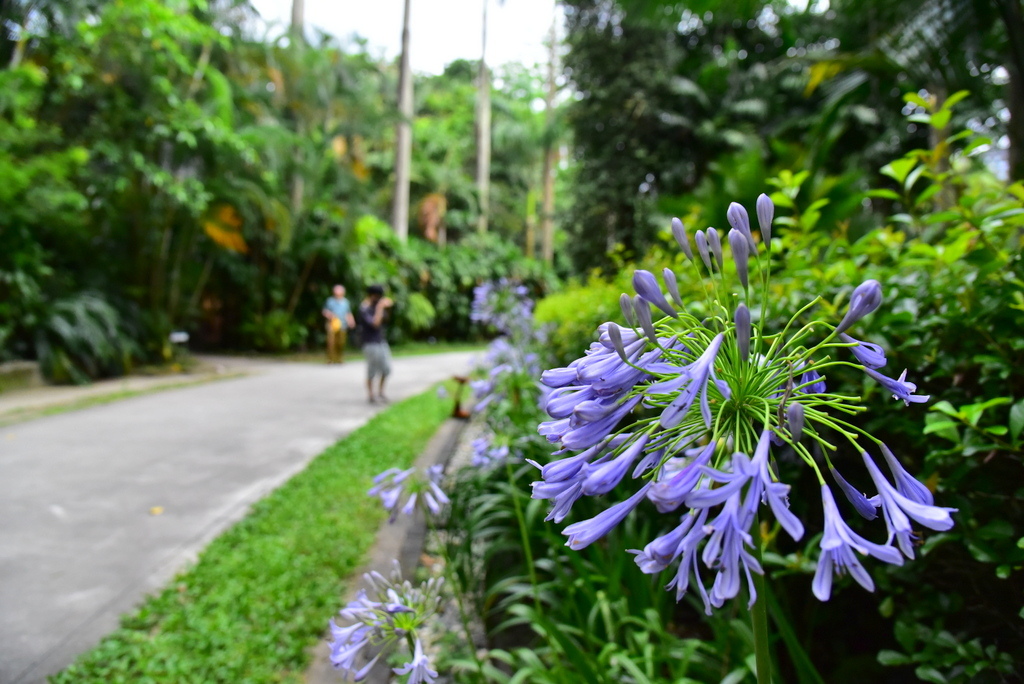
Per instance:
(261,594)
(572,315)
(950,263)
(227,175)
(80,338)
(275,331)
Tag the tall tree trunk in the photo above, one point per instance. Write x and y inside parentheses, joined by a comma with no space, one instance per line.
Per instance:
(1010,13)
(547,220)
(298,18)
(403,142)
(531,224)
(298,181)
(483,134)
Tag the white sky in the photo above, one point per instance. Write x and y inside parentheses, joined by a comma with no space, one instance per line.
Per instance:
(440,30)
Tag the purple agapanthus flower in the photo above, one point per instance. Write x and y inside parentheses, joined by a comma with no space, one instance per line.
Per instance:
(585,533)
(867,353)
(740,254)
(425,489)
(678,403)
(692,381)
(346,645)
(901,390)
(646,286)
(689,565)
(486,453)
(727,550)
(740,220)
(898,510)
(418,668)
(679,233)
(837,551)
(765,213)
(865,507)
(906,484)
(866,298)
(673,486)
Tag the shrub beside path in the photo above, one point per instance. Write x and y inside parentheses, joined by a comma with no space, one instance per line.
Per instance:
(103,505)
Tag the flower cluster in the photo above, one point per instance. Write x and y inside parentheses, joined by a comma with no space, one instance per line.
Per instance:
(691,404)
(380,619)
(417,488)
(489,450)
(504,305)
(502,360)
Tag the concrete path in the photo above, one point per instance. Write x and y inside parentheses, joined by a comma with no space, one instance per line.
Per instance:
(79,543)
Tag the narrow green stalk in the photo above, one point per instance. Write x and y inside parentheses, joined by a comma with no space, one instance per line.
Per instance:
(457,591)
(521,518)
(759,617)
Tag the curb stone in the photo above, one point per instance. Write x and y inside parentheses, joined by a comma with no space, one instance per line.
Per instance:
(402,540)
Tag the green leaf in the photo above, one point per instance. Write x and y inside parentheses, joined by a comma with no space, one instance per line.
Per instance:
(1003,571)
(912,178)
(898,169)
(892,658)
(930,674)
(884,193)
(976,143)
(1017,419)
(914,98)
(940,119)
(953,99)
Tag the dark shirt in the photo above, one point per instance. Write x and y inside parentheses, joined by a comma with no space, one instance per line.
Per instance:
(372,334)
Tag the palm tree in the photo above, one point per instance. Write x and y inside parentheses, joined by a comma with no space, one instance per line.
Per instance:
(403,143)
(483,133)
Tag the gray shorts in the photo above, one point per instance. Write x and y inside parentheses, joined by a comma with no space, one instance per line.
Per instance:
(378,359)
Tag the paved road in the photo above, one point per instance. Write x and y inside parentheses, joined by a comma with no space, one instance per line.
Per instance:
(78,545)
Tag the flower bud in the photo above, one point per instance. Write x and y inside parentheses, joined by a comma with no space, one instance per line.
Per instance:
(646,286)
(740,252)
(739,220)
(643,316)
(866,298)
(861,503)
(679,233)
(743,331)
(615,335)
(702,247)
(716,246)
(765,214)
(626,304)
(795,417)
(672,286)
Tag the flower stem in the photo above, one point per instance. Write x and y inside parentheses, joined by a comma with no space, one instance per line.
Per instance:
(524,533)
(459,591)
(759,617)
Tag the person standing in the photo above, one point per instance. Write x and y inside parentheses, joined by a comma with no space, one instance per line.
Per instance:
(375,343)
(339,317)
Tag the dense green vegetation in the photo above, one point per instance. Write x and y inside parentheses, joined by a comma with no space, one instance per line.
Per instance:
(261,594)
(163,167)
(953,280)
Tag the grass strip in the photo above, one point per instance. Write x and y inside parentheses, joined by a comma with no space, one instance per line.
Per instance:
(261,594)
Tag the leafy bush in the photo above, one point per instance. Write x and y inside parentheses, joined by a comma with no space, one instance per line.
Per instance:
(276,331)
(433,286)
(573,313)
(82,338)
(950,262)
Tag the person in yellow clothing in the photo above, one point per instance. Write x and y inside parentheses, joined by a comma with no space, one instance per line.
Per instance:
(339,317)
